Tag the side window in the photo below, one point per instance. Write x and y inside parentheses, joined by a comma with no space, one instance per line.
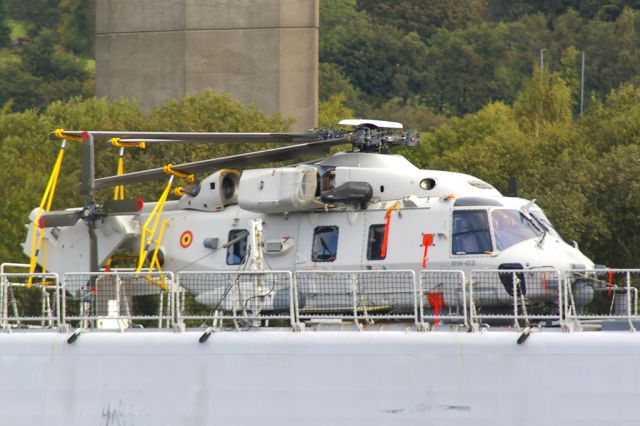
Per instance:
(325,244)
(374,242)
(237,251)
(471,233)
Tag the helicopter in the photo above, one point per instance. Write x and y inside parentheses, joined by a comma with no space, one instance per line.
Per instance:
(366,209)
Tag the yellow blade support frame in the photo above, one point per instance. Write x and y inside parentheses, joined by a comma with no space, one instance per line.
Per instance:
(151,226)
(37,234)
(149,231)
(119,190)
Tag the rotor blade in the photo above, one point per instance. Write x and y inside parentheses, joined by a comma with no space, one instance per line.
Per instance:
(87,177)
(195,137)
(299,151)
(122,206)
(61,218)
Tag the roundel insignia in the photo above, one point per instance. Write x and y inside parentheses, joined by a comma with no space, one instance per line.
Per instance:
(186,239)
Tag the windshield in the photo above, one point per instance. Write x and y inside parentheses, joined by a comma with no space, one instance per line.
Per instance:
(511,227)
(542,219)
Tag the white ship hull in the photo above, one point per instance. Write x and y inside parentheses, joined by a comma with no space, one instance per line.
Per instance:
(281,377)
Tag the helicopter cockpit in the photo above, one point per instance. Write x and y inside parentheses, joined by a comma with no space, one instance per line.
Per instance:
(483,230)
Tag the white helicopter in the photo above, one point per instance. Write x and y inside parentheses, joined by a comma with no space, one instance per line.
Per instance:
(359,210)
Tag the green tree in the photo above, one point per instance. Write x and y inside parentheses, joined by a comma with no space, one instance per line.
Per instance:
(545,99)
(37,14)
(5,31)
(43,58)
(333,110)
(76,29)
(333,81)
(426,19)
(411,115)
(378,59)
(28,156)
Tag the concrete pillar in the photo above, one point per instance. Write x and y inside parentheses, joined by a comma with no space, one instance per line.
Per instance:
(263,52)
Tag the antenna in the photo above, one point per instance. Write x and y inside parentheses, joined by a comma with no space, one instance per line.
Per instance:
(512,187)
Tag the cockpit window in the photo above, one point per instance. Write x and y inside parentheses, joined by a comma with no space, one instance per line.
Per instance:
(511,227)
(471,233)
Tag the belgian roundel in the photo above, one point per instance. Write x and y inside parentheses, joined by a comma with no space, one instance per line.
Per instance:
(186,239)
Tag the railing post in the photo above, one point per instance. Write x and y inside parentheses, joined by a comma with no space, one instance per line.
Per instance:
(178,303)
(628,279)
(293,302)
(463,282)
(3,300)
(514,282)
(354,290)
(472,303)
(419,304)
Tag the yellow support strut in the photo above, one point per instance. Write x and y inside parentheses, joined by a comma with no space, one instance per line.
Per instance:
(119,191)
(149,231)
(37,234)
(168,169)
(151,226)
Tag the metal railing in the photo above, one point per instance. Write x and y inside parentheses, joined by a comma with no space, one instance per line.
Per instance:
(118,300)
(602,294)
(123,300)
(246,297)
(510,296)
(442,297)
(356,295)
(30,300)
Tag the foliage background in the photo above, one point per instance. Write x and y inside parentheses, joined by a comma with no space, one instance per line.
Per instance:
(464,72)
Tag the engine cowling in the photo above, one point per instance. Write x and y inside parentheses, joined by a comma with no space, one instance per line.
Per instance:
(279,190)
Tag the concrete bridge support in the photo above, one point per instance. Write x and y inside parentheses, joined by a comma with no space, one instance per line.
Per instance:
(263,52)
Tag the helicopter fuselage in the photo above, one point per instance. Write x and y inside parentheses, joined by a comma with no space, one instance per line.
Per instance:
(465,222)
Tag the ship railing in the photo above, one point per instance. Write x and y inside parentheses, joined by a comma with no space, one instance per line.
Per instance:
(121,300)
(516,297)
(118,300)
(359,296)
(29,300)
(602,295)
(442,298)
(239,299)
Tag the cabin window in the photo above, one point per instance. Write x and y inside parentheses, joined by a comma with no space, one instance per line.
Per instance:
(471,233)
(325,244)
(237,251)
(374,242)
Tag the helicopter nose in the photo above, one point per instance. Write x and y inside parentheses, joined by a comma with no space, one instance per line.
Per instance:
(564,257)
(552,254)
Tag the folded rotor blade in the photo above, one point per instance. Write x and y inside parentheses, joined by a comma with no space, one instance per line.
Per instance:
(300,151)
(87,176)
(122,206)
(60,218)
(196,137)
